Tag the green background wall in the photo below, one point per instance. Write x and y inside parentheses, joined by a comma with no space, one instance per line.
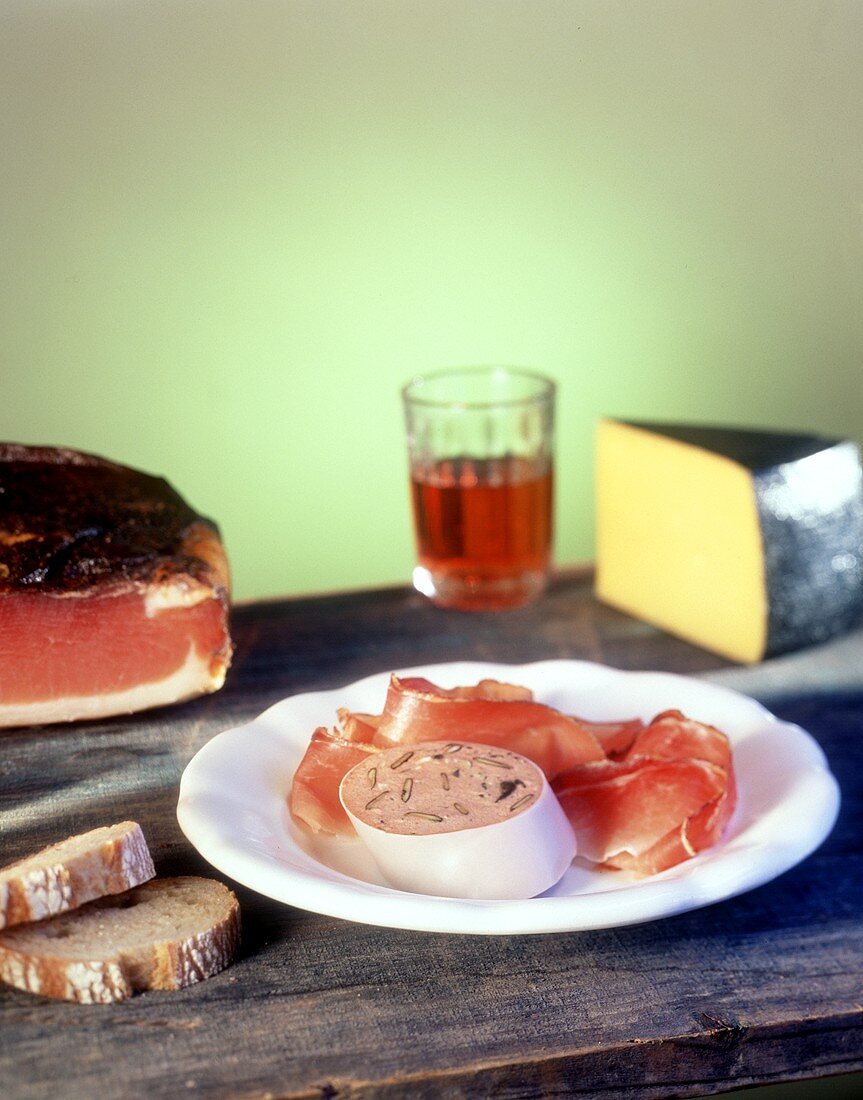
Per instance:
(230,231)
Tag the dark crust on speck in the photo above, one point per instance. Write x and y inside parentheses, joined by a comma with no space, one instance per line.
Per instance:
(73,523)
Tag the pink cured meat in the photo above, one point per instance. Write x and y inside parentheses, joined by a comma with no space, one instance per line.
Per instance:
(360,728)
(314,798)
(485,689)
(416,710)
(684,841)
(664,791)
(670,797)
(613,806)
(615,737)
(673,736)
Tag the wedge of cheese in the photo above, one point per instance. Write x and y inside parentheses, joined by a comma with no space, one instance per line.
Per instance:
(749,543)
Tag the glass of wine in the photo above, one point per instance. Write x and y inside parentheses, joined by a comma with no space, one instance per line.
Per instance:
(480,443)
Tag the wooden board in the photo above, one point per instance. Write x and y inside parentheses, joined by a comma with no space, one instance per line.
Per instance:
(761,988)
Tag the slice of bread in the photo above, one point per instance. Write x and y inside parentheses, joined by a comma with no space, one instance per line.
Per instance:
(166,934)
(66,875)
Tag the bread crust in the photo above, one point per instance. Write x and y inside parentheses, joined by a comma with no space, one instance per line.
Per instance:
(84,982)
(116,859)
(185,962)
(162,965)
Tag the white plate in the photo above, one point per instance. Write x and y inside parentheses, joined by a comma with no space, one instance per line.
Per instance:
(233,807)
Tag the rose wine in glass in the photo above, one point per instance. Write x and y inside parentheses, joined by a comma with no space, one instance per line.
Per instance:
(483,515)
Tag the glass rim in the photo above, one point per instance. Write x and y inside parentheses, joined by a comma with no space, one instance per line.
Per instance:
(544,394)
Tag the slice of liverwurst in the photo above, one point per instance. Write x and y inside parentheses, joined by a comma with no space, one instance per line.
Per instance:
(459,820)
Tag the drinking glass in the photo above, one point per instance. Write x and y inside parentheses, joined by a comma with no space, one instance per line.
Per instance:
(480,443)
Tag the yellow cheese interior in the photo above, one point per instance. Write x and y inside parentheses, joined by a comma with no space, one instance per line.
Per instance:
(678,540)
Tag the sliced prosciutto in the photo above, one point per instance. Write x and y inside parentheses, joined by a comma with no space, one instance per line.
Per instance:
(314,799)
(695,833)
(113,591)
(673,736)
(417,710)
(640,797)
(670,796)
(354,726)
(615,737)
(485,689)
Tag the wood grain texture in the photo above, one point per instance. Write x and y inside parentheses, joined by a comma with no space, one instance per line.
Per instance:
(761,988)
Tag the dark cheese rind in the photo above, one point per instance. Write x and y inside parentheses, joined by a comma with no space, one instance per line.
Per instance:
(809,496)
(811,517)
(755,449)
